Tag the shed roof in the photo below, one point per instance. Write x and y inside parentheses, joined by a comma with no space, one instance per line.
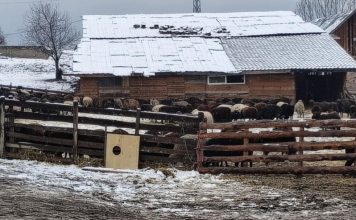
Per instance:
(151,55)
(330,24)
(202,24)
(302,52)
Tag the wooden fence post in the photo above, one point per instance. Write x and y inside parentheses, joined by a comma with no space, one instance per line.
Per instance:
(200,142)
(75,131)
(301,140)
(2,126)
(138,118)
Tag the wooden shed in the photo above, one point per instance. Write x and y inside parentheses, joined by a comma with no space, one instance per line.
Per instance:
(229,55)
(342,27)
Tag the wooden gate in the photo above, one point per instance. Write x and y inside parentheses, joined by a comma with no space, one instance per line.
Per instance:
(278,147)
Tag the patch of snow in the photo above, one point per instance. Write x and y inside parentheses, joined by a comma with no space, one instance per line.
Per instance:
(36,73)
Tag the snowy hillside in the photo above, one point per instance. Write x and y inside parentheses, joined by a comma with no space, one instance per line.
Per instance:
(36,73)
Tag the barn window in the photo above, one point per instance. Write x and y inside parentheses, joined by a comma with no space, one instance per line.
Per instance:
(110,82)
(233,79)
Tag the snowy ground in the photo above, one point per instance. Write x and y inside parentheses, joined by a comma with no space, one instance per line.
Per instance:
(37,190)
(36,73)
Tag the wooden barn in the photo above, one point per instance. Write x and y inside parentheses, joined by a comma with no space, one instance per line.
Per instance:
(251,54)
(342,28)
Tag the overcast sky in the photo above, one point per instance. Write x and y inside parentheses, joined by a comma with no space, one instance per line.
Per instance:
(12,11)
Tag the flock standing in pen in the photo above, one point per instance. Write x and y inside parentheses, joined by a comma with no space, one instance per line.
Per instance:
(215,111)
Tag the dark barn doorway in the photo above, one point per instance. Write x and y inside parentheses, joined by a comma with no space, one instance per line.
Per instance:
(319,86)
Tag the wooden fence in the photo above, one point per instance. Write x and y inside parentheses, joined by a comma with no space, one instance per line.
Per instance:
(277,147)
(59,128)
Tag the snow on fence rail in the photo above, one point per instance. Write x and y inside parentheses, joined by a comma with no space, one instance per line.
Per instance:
(78,130)
(277,147)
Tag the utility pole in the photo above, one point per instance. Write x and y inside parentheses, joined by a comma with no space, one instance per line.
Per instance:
(196,6)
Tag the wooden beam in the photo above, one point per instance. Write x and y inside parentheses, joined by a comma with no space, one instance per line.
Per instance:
(279,170)
(282,158)
(75,132)
(281,124)
(2,126)
(280,134)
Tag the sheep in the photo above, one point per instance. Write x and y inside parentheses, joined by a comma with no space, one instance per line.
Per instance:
(260,105)
(222,114)
(87,102)
(287,111)
(203,108)
(195,102)
(183,106)
(108,103)
(344,106)
(207,116)
(353,111)
(325,116)
(280,104)
(299,108)
(157,107)
(247,102)
(270,112)
(77,98)
(154,102)
(249,113)
(165,108)
(118,103)
(325,106)
(169,109)
(166,102)
(146,107)
(238,107)
(131,104)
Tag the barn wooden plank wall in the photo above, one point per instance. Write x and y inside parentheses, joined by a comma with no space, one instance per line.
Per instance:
(173,142)
(180,87)
(345,35)
(286,140)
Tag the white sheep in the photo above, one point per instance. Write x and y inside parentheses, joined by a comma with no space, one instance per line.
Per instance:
(87,101)
(225,106)
(299,108)
(207,115)
(156,108)
(280,104)
(154,102)
(118,103)
(238,107)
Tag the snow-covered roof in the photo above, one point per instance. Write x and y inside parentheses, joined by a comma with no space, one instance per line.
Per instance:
(313,51)
(330,24)
(151,55)
(202,24)
(193,43)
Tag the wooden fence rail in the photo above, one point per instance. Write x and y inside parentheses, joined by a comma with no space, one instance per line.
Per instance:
(70,138)
(285,142)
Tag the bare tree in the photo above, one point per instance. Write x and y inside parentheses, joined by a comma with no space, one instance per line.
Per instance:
(46,26)
(2,38)
(310,10)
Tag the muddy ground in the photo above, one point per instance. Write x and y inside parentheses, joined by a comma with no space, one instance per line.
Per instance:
(32,190)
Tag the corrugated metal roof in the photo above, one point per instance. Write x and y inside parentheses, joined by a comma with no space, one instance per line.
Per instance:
(315,51)
(330,24)
(151,55)
(202,24)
